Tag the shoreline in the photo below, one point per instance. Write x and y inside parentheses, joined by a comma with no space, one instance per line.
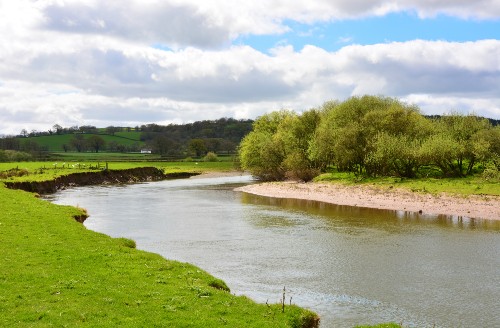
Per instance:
(472,207)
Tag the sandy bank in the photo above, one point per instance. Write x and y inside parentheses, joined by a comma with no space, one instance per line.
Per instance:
(478,207)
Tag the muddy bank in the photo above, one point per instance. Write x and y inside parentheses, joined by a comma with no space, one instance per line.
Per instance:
(141,174)
(476,207)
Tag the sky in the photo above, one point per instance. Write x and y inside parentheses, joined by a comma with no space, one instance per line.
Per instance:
(134,62)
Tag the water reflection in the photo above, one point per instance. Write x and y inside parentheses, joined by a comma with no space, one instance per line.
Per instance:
(351,265)
(366,217)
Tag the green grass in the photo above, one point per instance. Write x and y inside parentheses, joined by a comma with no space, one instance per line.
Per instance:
(55,272)
(102,156)
(130,135)
(56,142)
(42,171)
(471,185)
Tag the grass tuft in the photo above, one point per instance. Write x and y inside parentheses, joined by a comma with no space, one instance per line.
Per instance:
(126,242)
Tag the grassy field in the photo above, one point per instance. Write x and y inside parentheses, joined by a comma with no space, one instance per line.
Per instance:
(55,272)
(56,142)
(471,185)
(42,171)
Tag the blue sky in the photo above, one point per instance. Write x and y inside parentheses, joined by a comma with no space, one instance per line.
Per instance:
(395,27)
(133,62)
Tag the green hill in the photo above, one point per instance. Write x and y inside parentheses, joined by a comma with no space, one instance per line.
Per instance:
(56,142)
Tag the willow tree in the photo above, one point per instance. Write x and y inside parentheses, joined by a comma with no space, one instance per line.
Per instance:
(262,151)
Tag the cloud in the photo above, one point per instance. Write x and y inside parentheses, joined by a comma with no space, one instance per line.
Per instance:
(173,24)
(92,62)
(215,23)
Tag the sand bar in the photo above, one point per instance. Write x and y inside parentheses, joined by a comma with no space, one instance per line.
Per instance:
(476,207)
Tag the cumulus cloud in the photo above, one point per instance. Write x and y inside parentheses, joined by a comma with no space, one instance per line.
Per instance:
(98,62)
(215,23)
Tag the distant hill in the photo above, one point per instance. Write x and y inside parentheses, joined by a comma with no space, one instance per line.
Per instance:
(493,121)
(174,140)
(56,143)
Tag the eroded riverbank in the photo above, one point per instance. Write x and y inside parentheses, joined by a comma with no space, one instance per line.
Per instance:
(140,174)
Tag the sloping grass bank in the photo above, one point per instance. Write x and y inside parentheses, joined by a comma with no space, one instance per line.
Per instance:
(55,272)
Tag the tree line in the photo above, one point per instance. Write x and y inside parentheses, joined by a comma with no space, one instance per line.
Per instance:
(172,141)
(371,136)
(222,135)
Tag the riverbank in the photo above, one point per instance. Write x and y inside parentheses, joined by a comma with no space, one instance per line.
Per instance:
(131,175)
(56,272)
(473,206)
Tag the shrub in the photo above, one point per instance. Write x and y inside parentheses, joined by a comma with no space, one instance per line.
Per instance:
(210,157)
(491,174)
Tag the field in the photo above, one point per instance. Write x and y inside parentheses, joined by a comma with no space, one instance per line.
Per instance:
(55,272)
(54,143)
(41,171)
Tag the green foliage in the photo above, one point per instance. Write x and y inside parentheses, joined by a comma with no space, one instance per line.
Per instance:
(278,146)
(95,143)
(198,147)
(491,174)
(262,151)
(370,136)
(14,156)
(210,157)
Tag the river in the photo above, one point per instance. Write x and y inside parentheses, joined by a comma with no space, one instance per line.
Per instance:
(350,265)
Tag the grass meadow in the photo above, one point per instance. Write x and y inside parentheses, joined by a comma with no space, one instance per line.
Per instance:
(55,272)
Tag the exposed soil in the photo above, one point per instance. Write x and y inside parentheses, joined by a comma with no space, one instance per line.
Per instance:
(141,174)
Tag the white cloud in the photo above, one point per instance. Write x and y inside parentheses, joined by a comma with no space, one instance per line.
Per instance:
(91,62)
(215,23)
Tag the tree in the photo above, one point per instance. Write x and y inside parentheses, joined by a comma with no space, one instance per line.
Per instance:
(78,142)
(262,151)
(24,133)
(295,133)
(163,145)
(113,129)
(362,135)
(441,150)
(57,128)
(96,143)
(465,131)
(198,147)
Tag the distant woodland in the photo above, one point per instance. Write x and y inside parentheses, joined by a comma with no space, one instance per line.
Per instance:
(369,135)
(173,141)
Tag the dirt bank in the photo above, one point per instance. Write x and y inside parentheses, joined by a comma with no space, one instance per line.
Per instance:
(141,174)
(477,207)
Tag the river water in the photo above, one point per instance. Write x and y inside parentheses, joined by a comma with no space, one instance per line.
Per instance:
(350,265)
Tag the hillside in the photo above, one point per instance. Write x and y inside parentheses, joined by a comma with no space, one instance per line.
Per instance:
(196,139)
(56,142)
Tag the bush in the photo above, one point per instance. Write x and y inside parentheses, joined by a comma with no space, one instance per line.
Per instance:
(210,157)
(14,156)
(491,174)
